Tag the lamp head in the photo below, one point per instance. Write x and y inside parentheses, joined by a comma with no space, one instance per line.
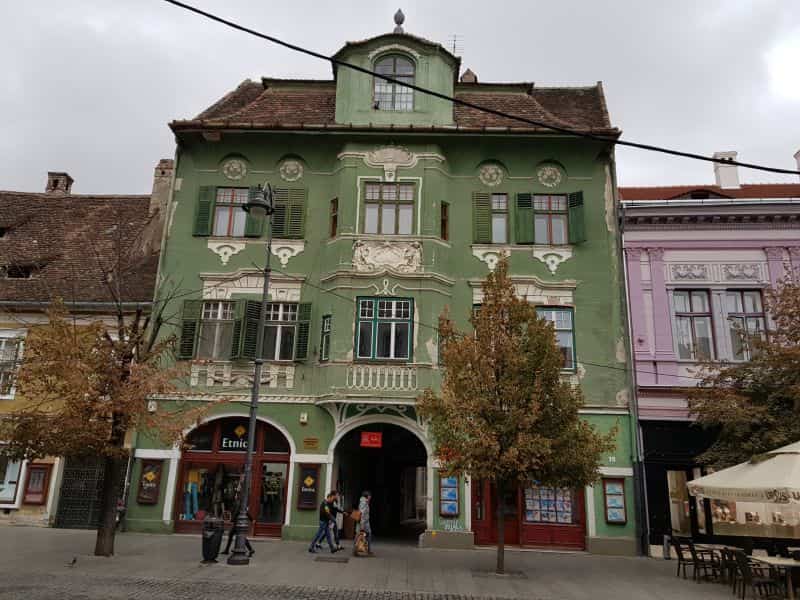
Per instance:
(259,201)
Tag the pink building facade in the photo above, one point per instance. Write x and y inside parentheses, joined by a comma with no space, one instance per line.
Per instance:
(698,259)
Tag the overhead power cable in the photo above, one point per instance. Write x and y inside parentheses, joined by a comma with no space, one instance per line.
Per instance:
(565,130)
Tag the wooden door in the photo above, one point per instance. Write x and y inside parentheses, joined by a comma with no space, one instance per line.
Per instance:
(484,514)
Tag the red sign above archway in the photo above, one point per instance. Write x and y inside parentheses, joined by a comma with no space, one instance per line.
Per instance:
(371,439)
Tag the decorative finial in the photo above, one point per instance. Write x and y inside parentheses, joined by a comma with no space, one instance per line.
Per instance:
(399,19)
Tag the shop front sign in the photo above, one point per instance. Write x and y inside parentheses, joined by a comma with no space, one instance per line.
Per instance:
(308,487)
(150,482)
(233,439)
(371,439)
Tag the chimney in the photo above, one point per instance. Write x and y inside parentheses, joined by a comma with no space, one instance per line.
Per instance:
(159,201)
(469,77)
(58,182)
(797,158)
(727,176)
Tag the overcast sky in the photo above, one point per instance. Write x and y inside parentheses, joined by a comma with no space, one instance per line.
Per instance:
(88,86)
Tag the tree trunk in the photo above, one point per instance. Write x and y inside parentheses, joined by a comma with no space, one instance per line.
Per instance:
(501,528)
(104,545)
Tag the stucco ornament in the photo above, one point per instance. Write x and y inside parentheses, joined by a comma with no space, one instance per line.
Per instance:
(742,272)
(234,169)
(291,170)
(552,256)
(490,255)
(390,158)
(225,249)
(491,175)
(689,272)
(377,255)
(287,249)
(549,176)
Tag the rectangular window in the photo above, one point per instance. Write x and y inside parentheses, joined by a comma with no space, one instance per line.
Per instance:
(280,331)
(745,312)
(384,328)
(550,220)
(9,361)
(334,217)
(562,321)
(389,208)
(325,338)
(38,481)
(499,218)
(216,330)
(229,218)
(550,505)
(693,325)
(444,221)
(9,479)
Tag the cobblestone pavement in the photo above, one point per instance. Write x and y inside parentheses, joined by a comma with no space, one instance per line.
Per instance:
(44,564)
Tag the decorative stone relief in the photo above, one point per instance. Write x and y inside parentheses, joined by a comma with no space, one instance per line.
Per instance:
(490,255)
(223,286)
(491,175)
(689,272)
(234,169)
(286,249)
(376,255)
(291,170)
(390,158)
(549,176)
(742,272)
(774,253)
(225,249)
(552,256)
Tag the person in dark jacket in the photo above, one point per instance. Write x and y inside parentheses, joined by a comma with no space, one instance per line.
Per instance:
(326,520)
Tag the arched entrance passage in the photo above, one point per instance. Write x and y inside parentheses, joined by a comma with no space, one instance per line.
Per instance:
(391,462)
(212,466)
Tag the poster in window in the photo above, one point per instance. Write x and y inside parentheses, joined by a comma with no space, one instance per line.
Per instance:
(150,482)
(308,487)
(614,500)
(448,496)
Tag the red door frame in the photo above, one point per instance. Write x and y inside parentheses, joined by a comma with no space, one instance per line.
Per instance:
(552,535)
(215,457)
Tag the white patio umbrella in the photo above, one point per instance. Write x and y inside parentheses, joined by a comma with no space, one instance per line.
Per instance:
(772,478)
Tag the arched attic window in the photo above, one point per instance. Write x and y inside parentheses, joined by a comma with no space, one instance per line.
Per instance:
(392,96)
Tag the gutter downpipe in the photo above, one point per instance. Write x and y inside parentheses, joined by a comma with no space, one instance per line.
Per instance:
(642,524)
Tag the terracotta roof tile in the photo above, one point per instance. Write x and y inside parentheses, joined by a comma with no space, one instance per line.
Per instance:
(70,241)
(747,190)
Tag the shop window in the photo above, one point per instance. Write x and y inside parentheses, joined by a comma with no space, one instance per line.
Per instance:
(10,350)
(614,501)
(275,441)
(233,435)
(550,505)
(210,490)
(201,439)
(280,331)
(390,95)
(745,313)
(693,327)
(384,328)
(9,479)
(37,486)
(389,208)
(562,320)
(216,330)
(229,218)
(325,339)
(272,493)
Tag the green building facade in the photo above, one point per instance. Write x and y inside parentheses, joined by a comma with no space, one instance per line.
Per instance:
(391,206)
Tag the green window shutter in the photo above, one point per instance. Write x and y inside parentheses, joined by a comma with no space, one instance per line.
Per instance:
(303,330)
(238,322)
(280,221)
(190,324)
(577,228)
(297,214)
(249,336)
(481,218)
(253,226)
(204,213)
(523,219)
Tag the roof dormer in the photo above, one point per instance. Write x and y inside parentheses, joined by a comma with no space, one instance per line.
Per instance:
(362,99)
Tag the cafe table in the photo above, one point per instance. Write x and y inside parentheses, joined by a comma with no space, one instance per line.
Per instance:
(785,564)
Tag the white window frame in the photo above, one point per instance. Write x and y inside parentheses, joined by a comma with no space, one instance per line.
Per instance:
(218,316)
(19,335)
(286,319)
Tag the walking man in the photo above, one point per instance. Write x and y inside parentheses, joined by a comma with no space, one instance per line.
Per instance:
(326,518)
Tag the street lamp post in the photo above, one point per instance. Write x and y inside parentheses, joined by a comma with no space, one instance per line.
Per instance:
(260,205)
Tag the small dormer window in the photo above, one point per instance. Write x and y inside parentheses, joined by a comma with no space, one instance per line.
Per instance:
(393,96)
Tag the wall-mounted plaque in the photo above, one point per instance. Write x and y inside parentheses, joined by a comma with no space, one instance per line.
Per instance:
(150,482)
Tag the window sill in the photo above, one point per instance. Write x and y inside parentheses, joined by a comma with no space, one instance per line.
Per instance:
(551,256)
(283,248)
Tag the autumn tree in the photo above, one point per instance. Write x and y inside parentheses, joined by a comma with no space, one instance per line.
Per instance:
(505,413)
(755,405)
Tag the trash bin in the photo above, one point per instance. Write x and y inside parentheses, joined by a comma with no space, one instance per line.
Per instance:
(213,528)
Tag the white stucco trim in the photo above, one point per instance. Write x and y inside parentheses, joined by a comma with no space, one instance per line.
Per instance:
(173,453)
(591,523)
(468,503)
(616,471)
(310,458)
(169,495)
